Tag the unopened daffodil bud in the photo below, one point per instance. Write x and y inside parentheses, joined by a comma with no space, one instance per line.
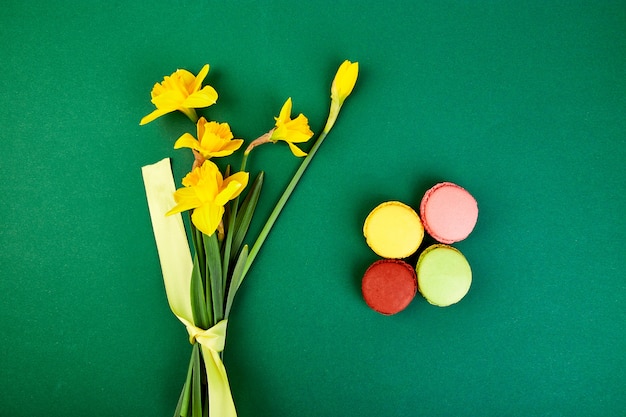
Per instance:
(344,81)
(342,86)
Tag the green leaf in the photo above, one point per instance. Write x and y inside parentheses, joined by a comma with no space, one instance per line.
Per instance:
(246,211)
(196,399)
(214,273)
(236,279)
(179,405)
(182,409)
(199,305)
(198,244)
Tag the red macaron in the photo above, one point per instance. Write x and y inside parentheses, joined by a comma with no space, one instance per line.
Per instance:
(389,285)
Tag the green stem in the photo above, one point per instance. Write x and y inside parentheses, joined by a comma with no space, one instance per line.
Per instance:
(282,201)
(244,160)
(230,232)
(228,244)
(214,273)
(196,392)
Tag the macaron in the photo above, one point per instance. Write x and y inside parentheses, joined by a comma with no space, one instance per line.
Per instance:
(389,285)
(443,275)
(448,212)
(393,230)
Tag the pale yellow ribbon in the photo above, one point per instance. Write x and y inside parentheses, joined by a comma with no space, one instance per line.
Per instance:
(176,265)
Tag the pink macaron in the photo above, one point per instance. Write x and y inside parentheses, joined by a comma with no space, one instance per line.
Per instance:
(448,212)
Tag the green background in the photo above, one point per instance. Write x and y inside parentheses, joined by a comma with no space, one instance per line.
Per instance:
(522,103)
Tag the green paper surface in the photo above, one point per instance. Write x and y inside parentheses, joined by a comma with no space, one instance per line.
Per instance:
(522,104)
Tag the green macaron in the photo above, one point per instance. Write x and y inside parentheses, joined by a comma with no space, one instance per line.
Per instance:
(443,275)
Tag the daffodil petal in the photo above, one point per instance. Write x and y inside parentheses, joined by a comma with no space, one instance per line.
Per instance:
(228,148)
(186,199)
(168,100)
(186,141)
(228,193)
(287,134)
(218,154)
(200,77)
(207,217)
(210,170)
(185,76)
(299,130)
(154,115)
(233,144)
(285,112)
(203,98)
(239,177)
(209,181)
(295,150)
(200,127)
(192,178)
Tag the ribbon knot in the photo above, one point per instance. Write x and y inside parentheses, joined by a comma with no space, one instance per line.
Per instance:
(212,342)
(213,338)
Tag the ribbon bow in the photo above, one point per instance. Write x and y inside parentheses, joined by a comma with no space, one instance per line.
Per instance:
(176,265)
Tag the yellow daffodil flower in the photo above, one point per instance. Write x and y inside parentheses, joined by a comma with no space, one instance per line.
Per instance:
(214,140)
(181,91)
(342,86)
(291,130)
(206,192)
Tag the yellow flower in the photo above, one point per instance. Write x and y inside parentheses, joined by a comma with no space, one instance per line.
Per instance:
(214,140)
(342,86)
(206,192)
(344,81)
(291,130)
(181,91)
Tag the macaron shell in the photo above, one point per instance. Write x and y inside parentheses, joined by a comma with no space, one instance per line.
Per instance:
(389,285)
(443,275)
(448,212)
(393,230)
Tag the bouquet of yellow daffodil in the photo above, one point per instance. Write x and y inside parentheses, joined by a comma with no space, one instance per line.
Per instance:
(201,286)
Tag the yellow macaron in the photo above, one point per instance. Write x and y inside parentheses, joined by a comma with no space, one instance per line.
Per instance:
(393,230)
